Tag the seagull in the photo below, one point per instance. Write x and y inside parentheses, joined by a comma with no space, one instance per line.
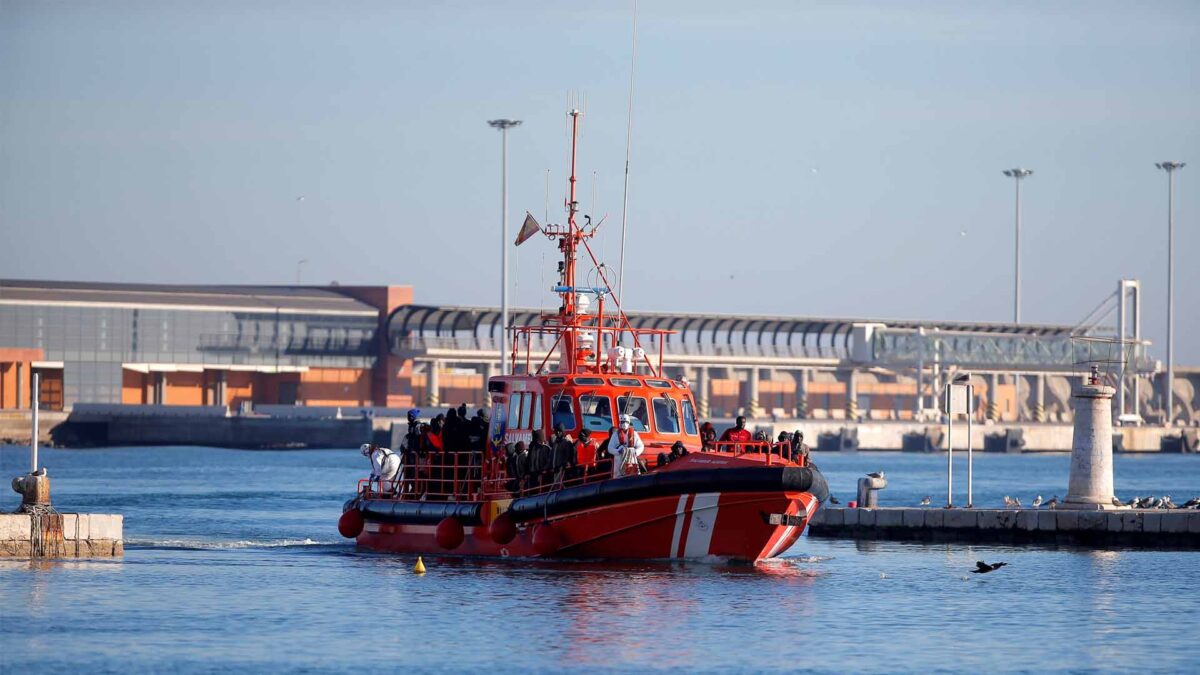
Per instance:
(833,500)
(1167,503)
(962,233)
(1037,502)
(300,198)
(1116,502)
(877,474)
(1008,502)
(926,501)
(983,568)
(1017,502)
(1133,502)
(1192,503)
(1053,503)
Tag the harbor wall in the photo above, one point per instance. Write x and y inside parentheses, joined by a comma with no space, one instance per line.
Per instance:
(1143,528)
(84,535)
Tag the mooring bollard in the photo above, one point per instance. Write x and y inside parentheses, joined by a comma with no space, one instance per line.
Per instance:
(868,490)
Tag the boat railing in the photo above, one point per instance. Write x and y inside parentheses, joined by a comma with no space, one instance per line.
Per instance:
(478,476)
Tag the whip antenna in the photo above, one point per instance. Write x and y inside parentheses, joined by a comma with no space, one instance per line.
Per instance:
(628,145)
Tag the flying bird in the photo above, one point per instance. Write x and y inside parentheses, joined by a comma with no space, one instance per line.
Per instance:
(833,500)
(983,568)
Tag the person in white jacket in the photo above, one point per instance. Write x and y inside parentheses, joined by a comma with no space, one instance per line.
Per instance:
(625,446)
(385,465)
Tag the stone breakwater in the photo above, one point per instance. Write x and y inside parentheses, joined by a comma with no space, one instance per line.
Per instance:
(64,535)
(1142,528)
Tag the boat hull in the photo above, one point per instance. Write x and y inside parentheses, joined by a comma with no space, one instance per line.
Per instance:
(634,518)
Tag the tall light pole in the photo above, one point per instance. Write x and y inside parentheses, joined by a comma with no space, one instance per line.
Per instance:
(504,125)
(1170,168)
(1017,175)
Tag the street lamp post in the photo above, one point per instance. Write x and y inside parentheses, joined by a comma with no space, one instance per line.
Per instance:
(1017,175)
(1170,168)
(504,125)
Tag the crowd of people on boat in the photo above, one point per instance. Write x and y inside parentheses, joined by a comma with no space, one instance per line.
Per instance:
(446,455)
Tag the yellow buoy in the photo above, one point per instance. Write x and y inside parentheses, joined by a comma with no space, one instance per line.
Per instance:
(419,568)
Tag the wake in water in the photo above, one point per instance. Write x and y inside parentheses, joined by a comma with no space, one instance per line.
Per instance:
(208,545)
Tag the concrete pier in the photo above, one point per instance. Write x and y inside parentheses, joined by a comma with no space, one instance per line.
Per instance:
(83,535)
(1145,528)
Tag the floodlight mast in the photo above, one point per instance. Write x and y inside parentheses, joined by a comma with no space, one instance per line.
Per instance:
(1170,168)
(1018,174)
(504,125)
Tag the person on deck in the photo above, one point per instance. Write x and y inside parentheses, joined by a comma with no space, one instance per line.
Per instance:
(708,436)
(678,450)
(408,451)
(800,449)
(736,434)
(626,447)
(385,466)
(518,466)
(541,460)
(585,453)
(563,453)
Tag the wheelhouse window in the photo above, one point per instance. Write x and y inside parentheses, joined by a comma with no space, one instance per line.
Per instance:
(666,415)
(596,412)
(659,384)
(635,407)
(526,401)
(562,411)
(537,411)
(689,418)
(514,411)
(625,382)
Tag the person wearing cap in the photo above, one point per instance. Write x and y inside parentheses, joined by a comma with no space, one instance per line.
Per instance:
(708,436)
(626,447)
(385,465)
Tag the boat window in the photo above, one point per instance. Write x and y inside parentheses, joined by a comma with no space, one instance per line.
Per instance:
(589,381)
(635,407)
(626,382)
(514,411)
(558,379)
(689,418)
(666,415)
(596,412)
(537,411)
(563,411)
(659,384)
(526,399)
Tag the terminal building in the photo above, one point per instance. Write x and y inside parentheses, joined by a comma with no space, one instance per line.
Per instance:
(374,347)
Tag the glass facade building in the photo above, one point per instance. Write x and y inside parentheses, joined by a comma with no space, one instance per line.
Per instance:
(95,333)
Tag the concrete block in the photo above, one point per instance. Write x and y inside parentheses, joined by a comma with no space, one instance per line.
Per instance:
(889,517)
(992,519)
(106,526)
(934,518)
(1047,521)
(70,520)
(914,518)
(1194,522)
(824,516)
(1066,521)
(1174,522)
(1151,521)
(958,519)
(85,522)
(1113,522)
(1091,520)
(866,517)
(850,517)
(1027,520)
(14,527)
(1131,521)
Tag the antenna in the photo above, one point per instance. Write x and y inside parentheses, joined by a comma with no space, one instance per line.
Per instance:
(628,147)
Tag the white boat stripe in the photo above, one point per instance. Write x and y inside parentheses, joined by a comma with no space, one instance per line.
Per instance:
(678,525)
(703,522)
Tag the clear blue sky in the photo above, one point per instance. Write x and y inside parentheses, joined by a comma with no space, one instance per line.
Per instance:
(834,158)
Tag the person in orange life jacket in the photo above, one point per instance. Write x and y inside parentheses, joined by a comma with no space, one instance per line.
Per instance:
(432,446)
(708,436)
(585,451)
(626,447)
(385,465)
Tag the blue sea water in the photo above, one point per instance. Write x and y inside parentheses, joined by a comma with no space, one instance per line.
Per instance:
(233,563)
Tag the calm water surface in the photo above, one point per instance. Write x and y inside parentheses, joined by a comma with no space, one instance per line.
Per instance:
(233,562)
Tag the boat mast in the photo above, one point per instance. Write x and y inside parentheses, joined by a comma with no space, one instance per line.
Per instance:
(568,245)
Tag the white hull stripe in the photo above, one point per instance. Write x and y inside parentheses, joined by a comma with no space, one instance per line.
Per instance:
(679,516)
(703,522)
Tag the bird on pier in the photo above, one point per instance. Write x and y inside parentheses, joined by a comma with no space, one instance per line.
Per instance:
(1037,502)
(1017,502)
(926,501)
(983,568)
(1193,503)
(1008,502)
(833,500)
(1116,502)
(1133,502)
(1167,503)
(877,474)
(1053,503)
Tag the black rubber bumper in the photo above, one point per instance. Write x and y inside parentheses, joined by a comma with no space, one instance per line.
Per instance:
(671,483)
(417,513)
